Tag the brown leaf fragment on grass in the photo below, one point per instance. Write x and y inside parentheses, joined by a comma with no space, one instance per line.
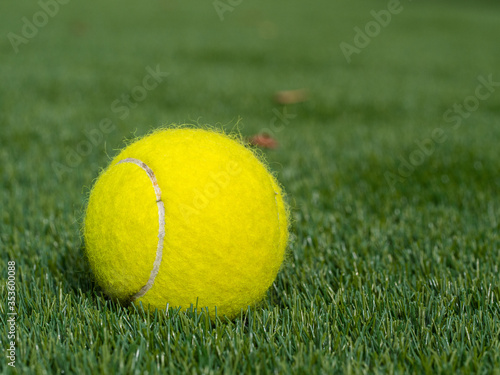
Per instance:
(263,140)
(291,96)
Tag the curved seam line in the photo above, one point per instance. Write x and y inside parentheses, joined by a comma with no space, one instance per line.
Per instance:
(161,229)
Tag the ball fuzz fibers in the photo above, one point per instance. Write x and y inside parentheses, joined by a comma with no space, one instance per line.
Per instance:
(186,217)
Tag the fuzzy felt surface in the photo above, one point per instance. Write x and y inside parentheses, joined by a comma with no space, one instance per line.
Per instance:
(226,224)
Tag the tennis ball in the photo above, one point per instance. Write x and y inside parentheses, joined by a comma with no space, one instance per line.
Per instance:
(186,217)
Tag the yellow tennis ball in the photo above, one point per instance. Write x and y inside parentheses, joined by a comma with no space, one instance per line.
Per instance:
(186,217)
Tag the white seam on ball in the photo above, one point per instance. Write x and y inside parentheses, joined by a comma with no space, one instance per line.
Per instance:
(161,230)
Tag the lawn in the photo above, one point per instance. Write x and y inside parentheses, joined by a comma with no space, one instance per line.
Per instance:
(391,169)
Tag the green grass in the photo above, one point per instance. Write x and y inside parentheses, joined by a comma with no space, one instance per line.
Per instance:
(379,279)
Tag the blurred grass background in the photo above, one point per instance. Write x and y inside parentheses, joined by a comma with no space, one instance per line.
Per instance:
(379,280)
